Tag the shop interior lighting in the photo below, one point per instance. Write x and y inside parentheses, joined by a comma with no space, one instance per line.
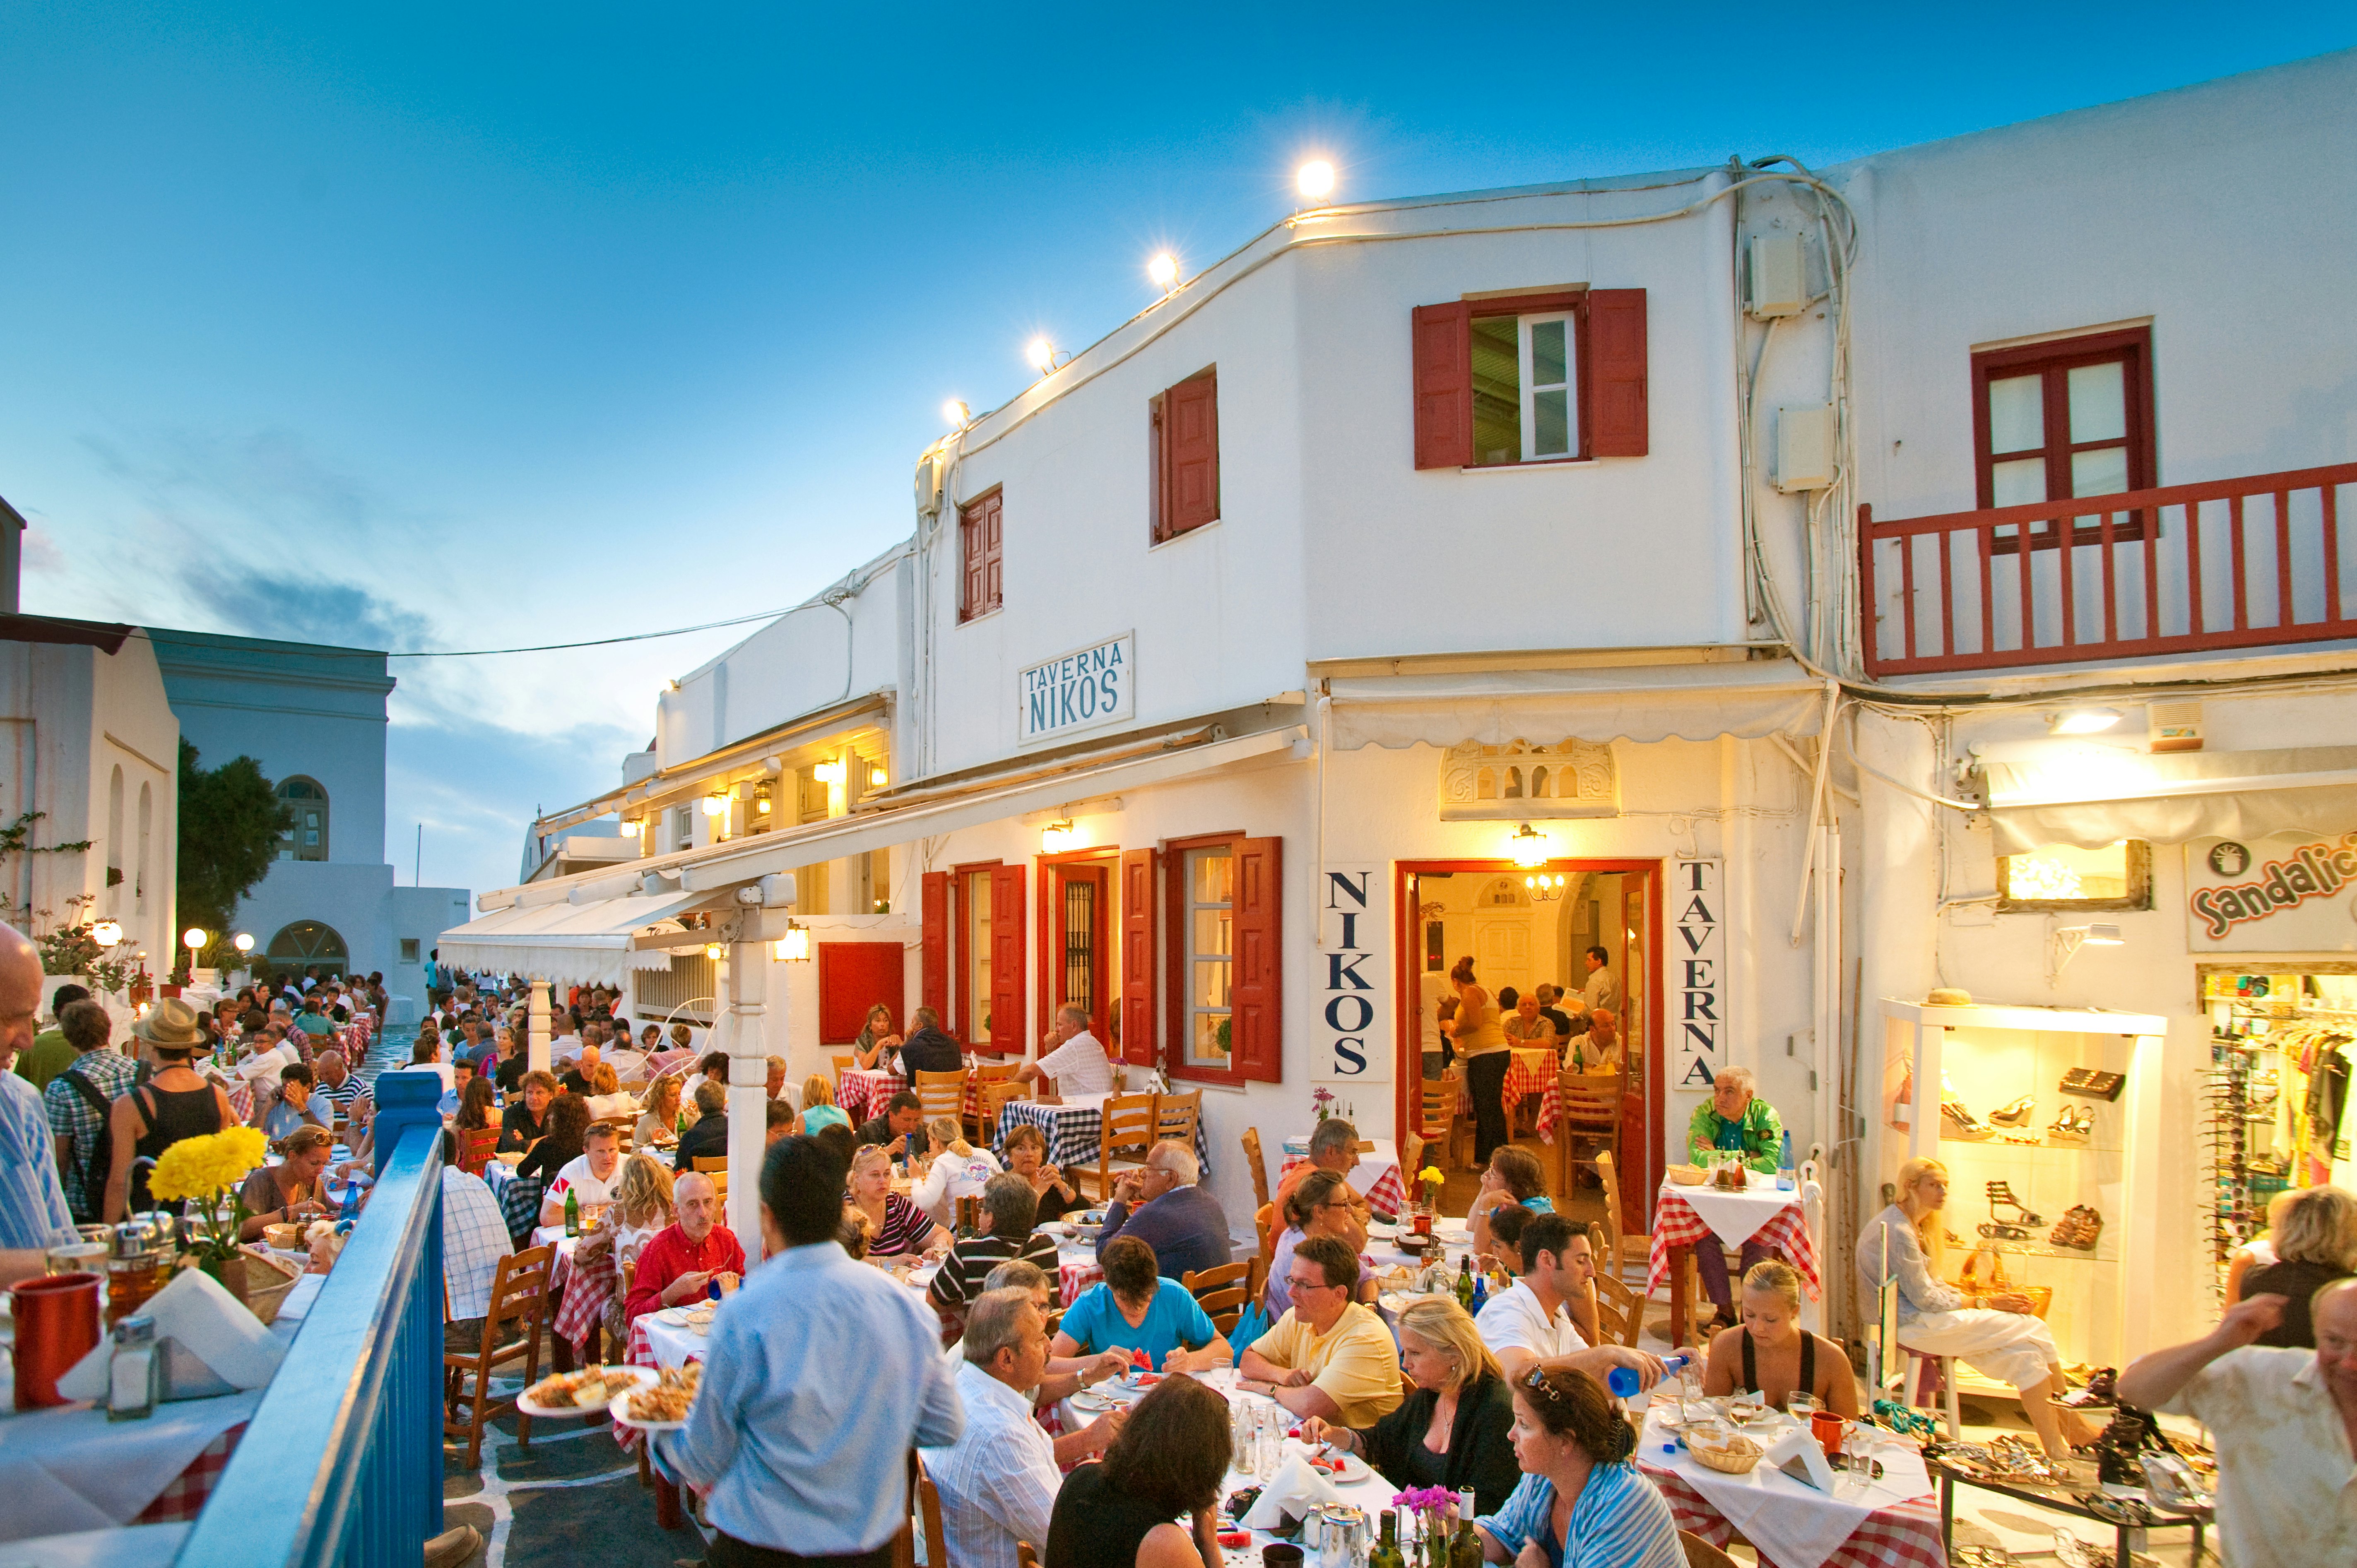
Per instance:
(2064,945)
(794,946)
(107,933)
(957,414)
(1164,270)
(242,941)
(1529,848)
(1315,180)
(2082,721)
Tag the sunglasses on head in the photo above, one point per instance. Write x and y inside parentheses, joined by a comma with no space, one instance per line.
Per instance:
(1536,1381)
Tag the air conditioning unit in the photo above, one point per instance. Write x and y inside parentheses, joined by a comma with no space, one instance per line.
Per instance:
(1777,280)
(1805,459)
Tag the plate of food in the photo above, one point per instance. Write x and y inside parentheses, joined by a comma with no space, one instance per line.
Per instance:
(585,1392)
(1089,1400)
(663,1405)
(1335,1464)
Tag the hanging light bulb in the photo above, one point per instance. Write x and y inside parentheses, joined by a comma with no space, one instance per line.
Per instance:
(1529,847)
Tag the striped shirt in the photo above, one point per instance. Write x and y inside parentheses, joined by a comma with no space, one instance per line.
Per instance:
(971,1261)
(906,1226)
(1618,1520)
(344,1094)
(32,1203)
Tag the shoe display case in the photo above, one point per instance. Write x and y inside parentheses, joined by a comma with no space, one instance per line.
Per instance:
(2048,1121)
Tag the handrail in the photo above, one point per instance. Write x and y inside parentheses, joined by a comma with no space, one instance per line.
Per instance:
(2139,573)
(342,1464)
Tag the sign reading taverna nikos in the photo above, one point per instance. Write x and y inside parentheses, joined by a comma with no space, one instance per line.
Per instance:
(1075,691)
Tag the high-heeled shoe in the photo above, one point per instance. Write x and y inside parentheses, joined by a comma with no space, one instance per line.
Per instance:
(1957,1120)
(2000,1196)
(2014,1114)
(2071,1127)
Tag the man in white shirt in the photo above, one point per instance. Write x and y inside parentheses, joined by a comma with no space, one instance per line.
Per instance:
(2285,1424)
(1533,1324)
(1074,1062)
(998,1480)
(1603,987)
(589,1176)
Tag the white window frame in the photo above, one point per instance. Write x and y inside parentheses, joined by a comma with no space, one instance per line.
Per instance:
(1190,1009)
(1570,386)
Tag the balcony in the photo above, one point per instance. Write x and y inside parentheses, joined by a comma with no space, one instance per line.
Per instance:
(2246,562)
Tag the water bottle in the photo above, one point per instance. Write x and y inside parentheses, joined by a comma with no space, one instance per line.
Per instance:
(1622,1380)
(1785,1180)
(1480,1293)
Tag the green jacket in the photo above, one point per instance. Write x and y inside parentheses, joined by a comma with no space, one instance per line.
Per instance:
(1764,1134)
(47,1057)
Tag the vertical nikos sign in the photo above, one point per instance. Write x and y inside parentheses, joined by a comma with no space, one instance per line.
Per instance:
(1086,687)
(1697,972)
(1351,1041)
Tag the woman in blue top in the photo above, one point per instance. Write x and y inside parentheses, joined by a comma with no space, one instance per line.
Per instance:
(1581,1502)
(1136,1309)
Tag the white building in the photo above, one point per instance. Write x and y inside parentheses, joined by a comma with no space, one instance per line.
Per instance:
(1228,663)
(314,718)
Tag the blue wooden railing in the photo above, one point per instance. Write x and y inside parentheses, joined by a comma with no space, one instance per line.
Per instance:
(342,1463)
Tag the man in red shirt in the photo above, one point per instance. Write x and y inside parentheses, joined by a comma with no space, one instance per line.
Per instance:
(684,1258)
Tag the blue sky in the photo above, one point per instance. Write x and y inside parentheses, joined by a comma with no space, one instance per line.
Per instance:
(465,327)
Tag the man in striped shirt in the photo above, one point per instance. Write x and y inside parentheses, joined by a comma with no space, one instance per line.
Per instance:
(337,1082)
(1012,1207)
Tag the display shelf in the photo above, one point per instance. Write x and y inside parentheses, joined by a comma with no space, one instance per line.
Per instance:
(2043,1145)
(2102,1255)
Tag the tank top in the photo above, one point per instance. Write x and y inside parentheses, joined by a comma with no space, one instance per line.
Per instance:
(171,1114)
(1096,1526)
(1488,1034)
(1808,1383)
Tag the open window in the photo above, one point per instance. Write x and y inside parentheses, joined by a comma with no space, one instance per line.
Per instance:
(1516,379)
(1223,909)
(2059,879)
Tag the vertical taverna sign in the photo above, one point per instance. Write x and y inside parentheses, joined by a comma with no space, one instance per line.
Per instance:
(1075,691)
(1697,972)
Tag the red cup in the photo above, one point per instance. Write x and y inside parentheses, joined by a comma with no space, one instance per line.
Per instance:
(57,1326)
(1826,1428)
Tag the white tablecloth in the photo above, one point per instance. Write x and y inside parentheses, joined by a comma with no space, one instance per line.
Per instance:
(69,1468)
(1736,1216)
(1791,1522)
(135,1546)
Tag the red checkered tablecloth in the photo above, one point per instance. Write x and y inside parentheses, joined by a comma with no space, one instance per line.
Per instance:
(1906,1534)
(585,1292)
(184,1498)
(1675,1224)
(863,1091)
(1388,1196)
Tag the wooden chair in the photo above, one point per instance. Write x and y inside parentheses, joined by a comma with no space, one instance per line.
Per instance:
(1265,1225)
(926,1498)
(1176,1117)
(1624,1248)
(1590,1118)
(624,1128)
(1128,1123)
(711,1164)
(984,1122)
(1620,1310)
(1256,1165)
(719,1187)
(1257,1282)
(942,1094)
(475,1150)
(844,1063)
(1440,1124)
(1411,1148)
(1023,1556)
(511,1330)
(1701,1553)
(1223,1292)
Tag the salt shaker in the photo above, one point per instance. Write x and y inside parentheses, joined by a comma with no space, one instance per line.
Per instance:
(135,1373)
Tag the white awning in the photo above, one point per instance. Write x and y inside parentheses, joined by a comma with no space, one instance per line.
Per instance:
(585,943)
(1687,702)
(2092,798)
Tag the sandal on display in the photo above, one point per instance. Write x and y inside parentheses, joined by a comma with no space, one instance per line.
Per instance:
(1996,1230)
(1957,1120)
(2015,1115)
(2071,1126)
(2079,1230)
(2000,1196)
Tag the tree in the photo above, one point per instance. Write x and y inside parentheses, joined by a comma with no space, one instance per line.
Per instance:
(230,823)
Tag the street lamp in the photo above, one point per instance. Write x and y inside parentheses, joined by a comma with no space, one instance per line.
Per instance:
(242,941)
(107,933)
(194,938)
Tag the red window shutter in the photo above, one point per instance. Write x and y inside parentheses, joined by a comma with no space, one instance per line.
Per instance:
(1254,992)
(854,977)
(1616,373)
(979,534)
(1007,1029)
(1190,423)
(934,962)
(1444,385)
(1137,956)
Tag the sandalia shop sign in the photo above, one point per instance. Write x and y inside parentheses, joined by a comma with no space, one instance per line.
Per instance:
(2291,892)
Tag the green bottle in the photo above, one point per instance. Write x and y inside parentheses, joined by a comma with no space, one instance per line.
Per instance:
(1386,1554)
(1465,1551)
(1465,1282)
(572,1212)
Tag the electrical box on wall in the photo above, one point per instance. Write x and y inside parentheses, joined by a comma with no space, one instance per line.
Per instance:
(1777,280)
(1804,447)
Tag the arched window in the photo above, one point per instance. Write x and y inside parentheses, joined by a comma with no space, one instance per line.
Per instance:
(114,830)
(147,831)
(298,947)
(307,839)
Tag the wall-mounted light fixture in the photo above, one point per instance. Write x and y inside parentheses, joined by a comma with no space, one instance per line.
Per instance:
(1542,886)
(716,803)
(1529,847)
(957,414)
(794,947)
(107,933)
(1164,271)
(2082,721)
(1315,180)
(2063,945)
(1056,837)
(761,799)
(1040,355)
(878,777)
(828,772)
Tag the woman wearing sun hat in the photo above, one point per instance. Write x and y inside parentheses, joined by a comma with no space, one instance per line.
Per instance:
(176,1103)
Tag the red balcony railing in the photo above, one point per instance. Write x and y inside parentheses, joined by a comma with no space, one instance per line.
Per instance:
(2181,569)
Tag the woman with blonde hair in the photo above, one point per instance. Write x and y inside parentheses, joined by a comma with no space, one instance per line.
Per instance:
(958,1170)
(1482,1043)
(659,1125)
(1454,1430)
(1992,1332)
(896,1225)
(2315,1237)
(1770,1352)
(819,1109)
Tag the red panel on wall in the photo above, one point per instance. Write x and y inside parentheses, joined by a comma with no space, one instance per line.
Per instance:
(854,977)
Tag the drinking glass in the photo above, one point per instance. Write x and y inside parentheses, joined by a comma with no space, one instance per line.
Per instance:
(1272,1438)
(1242,1424)
(1801,1406)
(1857,1453)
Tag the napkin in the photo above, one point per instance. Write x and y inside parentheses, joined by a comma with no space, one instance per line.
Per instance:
(1293,1491)
(207,1334)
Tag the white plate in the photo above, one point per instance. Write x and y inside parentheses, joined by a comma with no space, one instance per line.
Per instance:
(642,1376)
(1379,1231)
(1452,1231)
(1089,1400)
(675,1316)
(621,1420)
(1353,1469)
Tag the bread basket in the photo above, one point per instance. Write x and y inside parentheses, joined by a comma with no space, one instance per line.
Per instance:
(1686,1176)
(1732,1455)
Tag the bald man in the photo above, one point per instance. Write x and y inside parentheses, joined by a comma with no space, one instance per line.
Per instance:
(687,1258)
(32,1203)
(2286,1426)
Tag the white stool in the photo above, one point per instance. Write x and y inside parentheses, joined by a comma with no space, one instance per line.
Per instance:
(1914,1361)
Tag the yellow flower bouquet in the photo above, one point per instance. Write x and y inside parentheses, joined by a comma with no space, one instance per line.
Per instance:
(201,1170)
